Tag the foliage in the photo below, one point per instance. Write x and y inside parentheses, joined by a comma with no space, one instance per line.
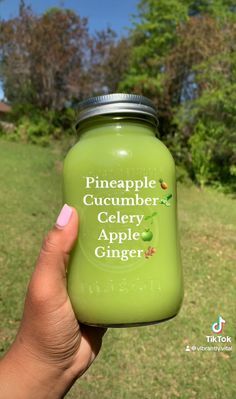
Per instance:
(41,56)
(184,58)
(109,61)
(209,121)
(179,53)
(35,126)
(153,35)
(35,131)
(51,61)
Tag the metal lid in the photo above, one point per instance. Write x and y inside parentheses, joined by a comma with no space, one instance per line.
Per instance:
(115,104)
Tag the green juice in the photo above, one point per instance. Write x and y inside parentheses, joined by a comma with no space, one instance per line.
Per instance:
(125,268)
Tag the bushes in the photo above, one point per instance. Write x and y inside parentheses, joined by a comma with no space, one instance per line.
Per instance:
(205,140)
(213,154)
(35,131)
(204,145)
(38,127)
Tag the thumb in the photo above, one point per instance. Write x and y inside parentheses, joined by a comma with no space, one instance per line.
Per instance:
(49,277)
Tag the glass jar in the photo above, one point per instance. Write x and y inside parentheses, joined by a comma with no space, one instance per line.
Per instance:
(125,268)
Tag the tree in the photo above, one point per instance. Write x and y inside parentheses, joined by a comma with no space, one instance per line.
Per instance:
(109,61)
(153,35)
(221,9)
(156,32)
(51,60)
(198,40)
(42,55)
(206,124)
(177,45)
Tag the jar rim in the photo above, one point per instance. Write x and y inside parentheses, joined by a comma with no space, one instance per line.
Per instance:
(116,103)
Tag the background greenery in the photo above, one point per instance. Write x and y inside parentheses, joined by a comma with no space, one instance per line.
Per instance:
(179,53)
(135,363)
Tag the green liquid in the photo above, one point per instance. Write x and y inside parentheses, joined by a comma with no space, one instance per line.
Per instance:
(125,268)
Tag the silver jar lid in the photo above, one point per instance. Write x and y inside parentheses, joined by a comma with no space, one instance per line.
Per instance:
(115,104)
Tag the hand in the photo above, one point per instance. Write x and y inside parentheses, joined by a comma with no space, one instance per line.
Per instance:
(51,349)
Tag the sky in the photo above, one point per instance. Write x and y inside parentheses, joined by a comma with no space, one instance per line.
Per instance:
(100,13)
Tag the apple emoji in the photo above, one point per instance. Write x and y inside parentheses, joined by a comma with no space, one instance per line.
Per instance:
(147,235)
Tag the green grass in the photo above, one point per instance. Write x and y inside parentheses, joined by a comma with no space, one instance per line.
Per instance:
(136,363)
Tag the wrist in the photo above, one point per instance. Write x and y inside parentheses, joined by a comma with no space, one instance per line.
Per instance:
(24,376)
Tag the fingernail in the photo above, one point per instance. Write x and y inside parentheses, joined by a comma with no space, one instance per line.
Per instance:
(64,216)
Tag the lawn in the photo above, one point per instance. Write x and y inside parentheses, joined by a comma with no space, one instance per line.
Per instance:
(135,363)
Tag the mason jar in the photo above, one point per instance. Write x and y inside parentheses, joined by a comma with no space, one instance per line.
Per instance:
(125,268)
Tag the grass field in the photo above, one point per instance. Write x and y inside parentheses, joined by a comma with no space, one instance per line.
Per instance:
(136,363)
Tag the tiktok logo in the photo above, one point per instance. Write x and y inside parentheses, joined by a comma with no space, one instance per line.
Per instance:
(218,326)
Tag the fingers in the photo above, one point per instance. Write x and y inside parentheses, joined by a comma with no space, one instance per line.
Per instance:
(59,241)
(49,277)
